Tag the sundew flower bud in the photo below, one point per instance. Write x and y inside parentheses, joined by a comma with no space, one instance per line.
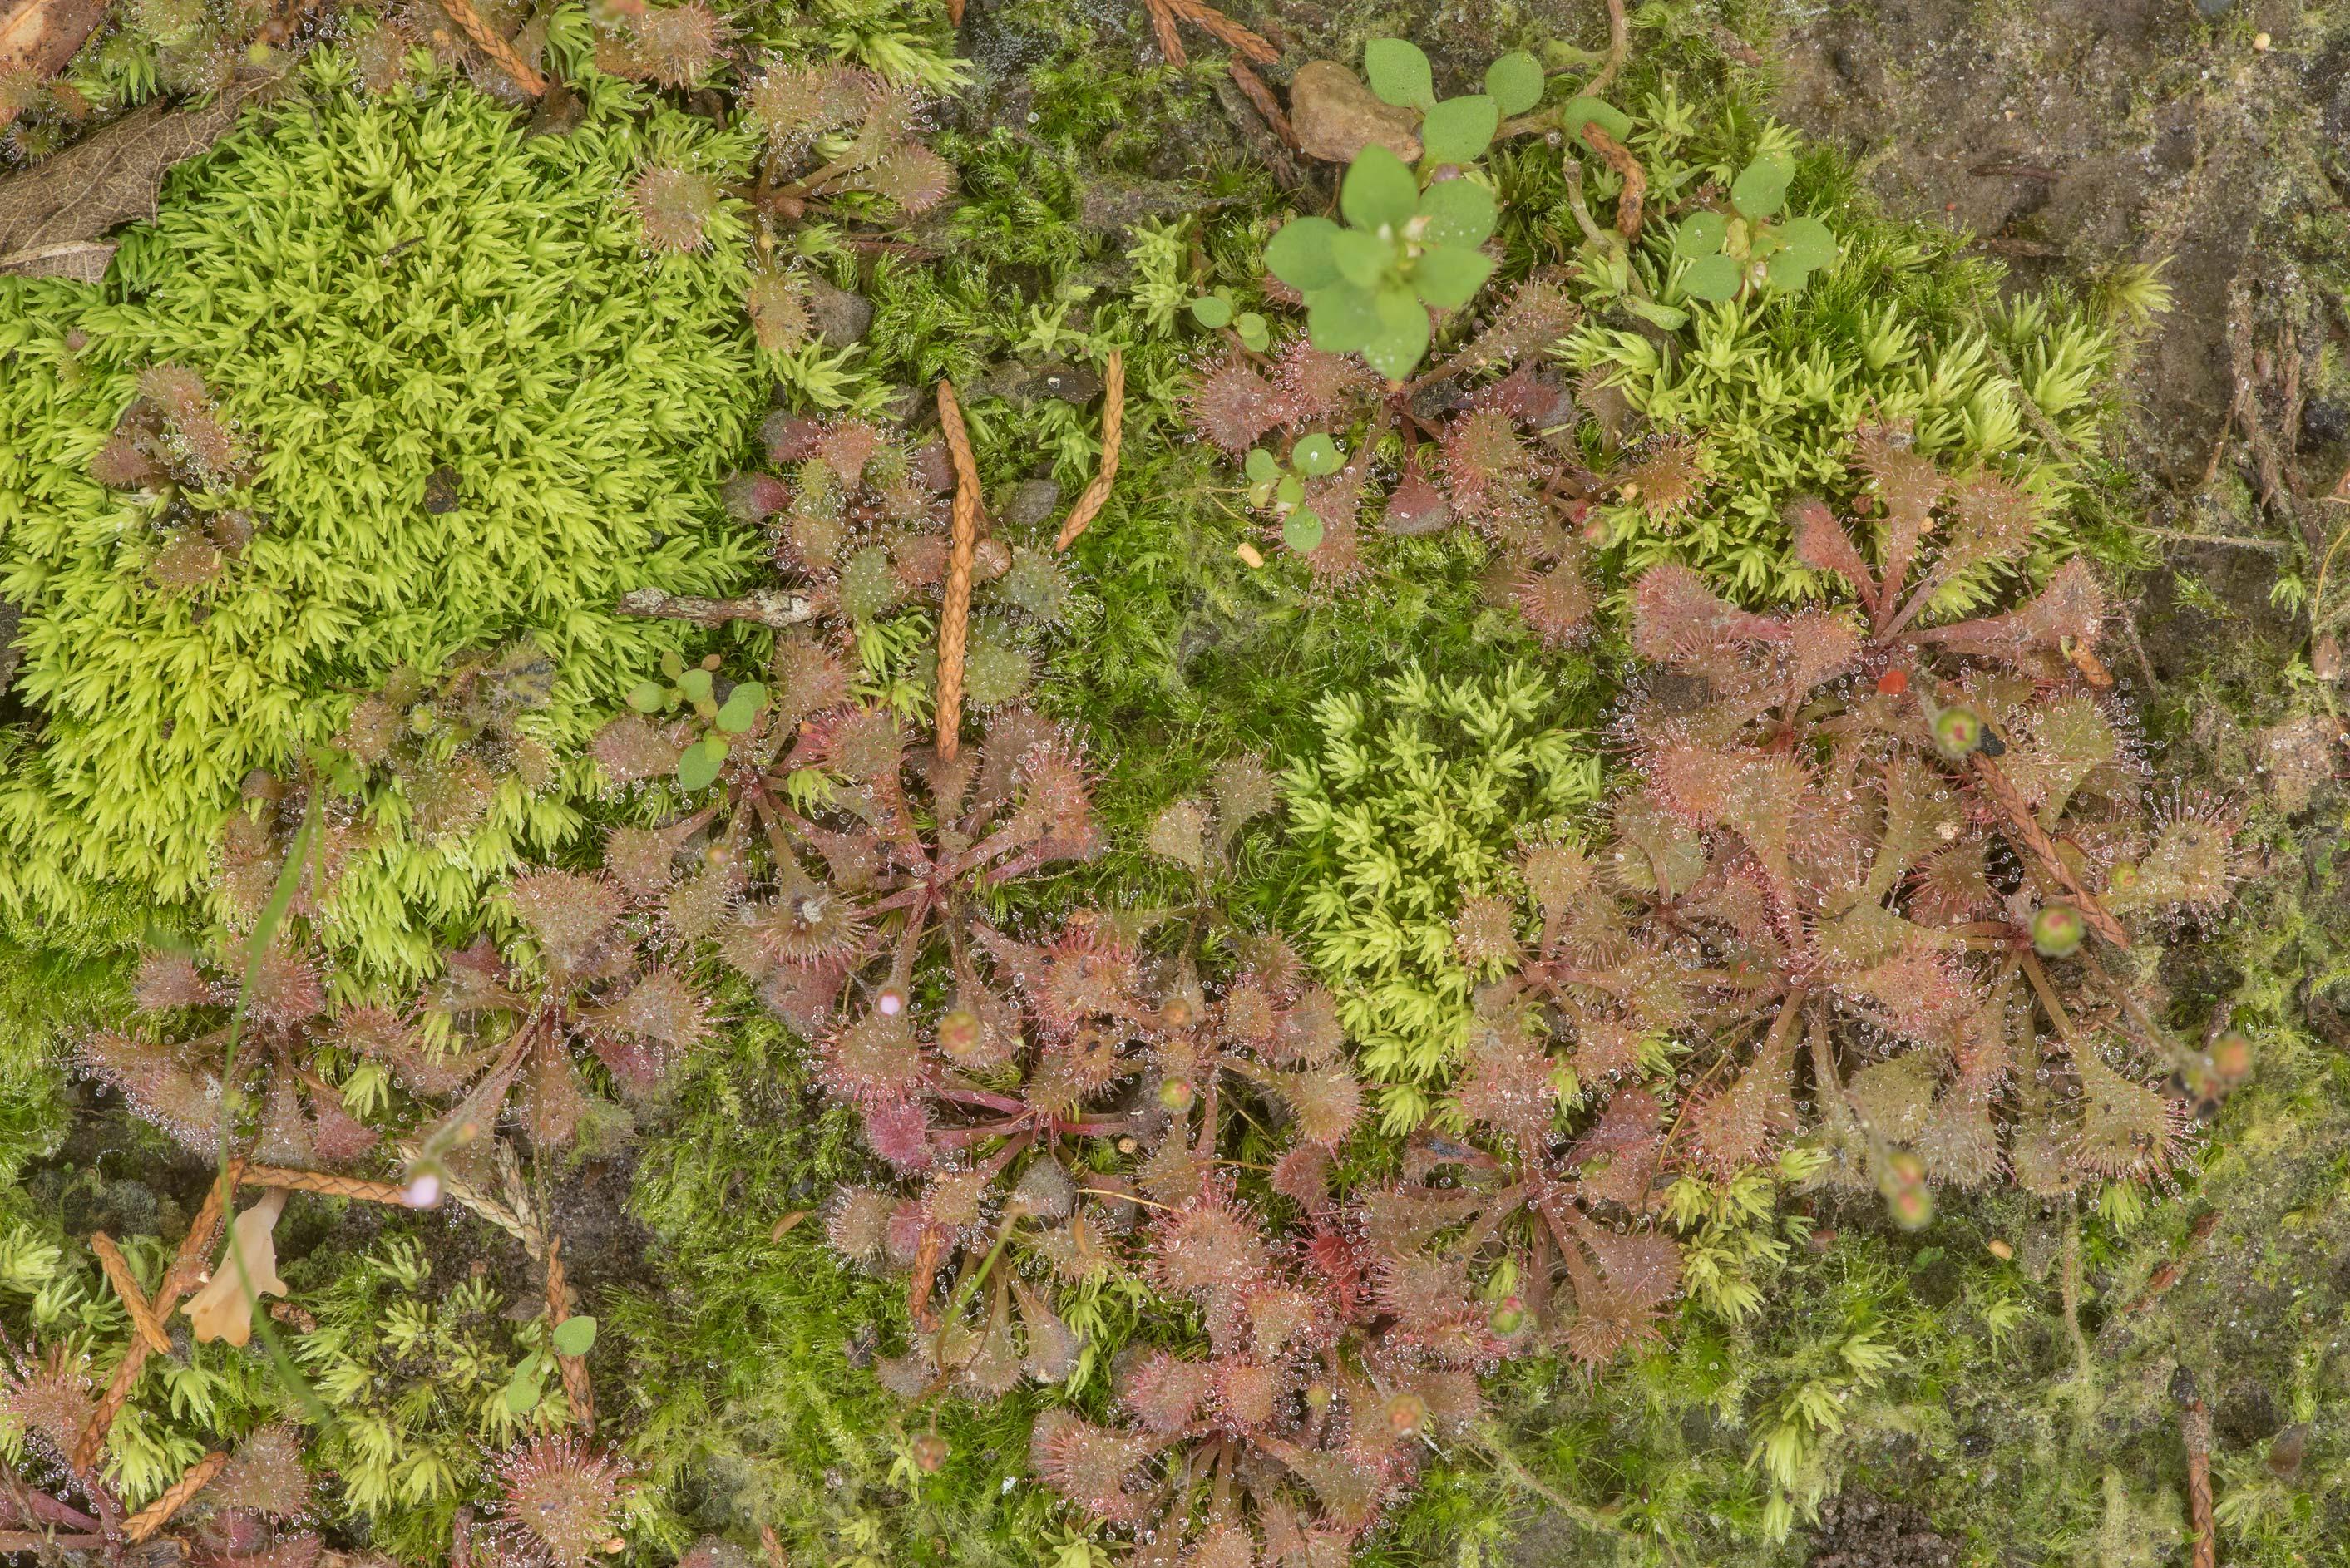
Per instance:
(2057,930)
(1958,732)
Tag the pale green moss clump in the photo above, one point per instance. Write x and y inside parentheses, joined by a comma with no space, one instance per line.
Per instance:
(1420,798)
(410,386)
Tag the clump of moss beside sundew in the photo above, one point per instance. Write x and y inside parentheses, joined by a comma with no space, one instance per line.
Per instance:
(737,1379)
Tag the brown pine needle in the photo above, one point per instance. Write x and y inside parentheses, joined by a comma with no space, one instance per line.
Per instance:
(1095,494)
(493,42)
(1226,31)
(157,1514)
(134,1301)
(1163,23)
(954,609)
(1260,98)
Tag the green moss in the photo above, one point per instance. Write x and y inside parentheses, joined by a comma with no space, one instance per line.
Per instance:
(1414,803)
(371,292)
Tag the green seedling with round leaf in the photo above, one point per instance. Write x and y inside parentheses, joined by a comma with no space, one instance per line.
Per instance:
(572,1336)
(1410,239)
(1369,285)
(727,713)
(1215,312)
(1726,253)
(1281,485)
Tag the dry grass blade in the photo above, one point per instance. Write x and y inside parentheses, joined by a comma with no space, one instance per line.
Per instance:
(954,609)
(157,1514)
(1095,493)
(2195,1433)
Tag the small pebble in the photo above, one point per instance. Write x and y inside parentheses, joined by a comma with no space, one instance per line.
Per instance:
(2260,42)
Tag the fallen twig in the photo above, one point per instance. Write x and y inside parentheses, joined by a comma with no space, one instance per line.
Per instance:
(767,606)
(143,1321)
(157,1514)
(493,42)
(1095,493)
(954,608)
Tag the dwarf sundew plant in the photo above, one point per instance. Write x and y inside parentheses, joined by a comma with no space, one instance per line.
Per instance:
(1881,848)
(857,514)
(1416,802)
(1053,1059)
(1318,439)
(174,1062)
(454,403)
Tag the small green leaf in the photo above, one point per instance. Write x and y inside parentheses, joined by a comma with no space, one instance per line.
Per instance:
(1459,213)
(1582,112)
(573,1335)
(1760,188)
(1255,336)
(1317,456)
(740,709)
(698,764)
(1402,336)
(1260,466)
(524,1388)
(1810,241)
(1212,312)
(646,696)
(1379,190)
(695,684)
(1299,255)
(1290,491)
(1398,73)
(1449,277)
(1669,318)
(671,665)
(1341,318)
(1459,130)
(1302,530)
(1364,258)
(1700,234)
(1514,82)
(1786,271)
(1712,278)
